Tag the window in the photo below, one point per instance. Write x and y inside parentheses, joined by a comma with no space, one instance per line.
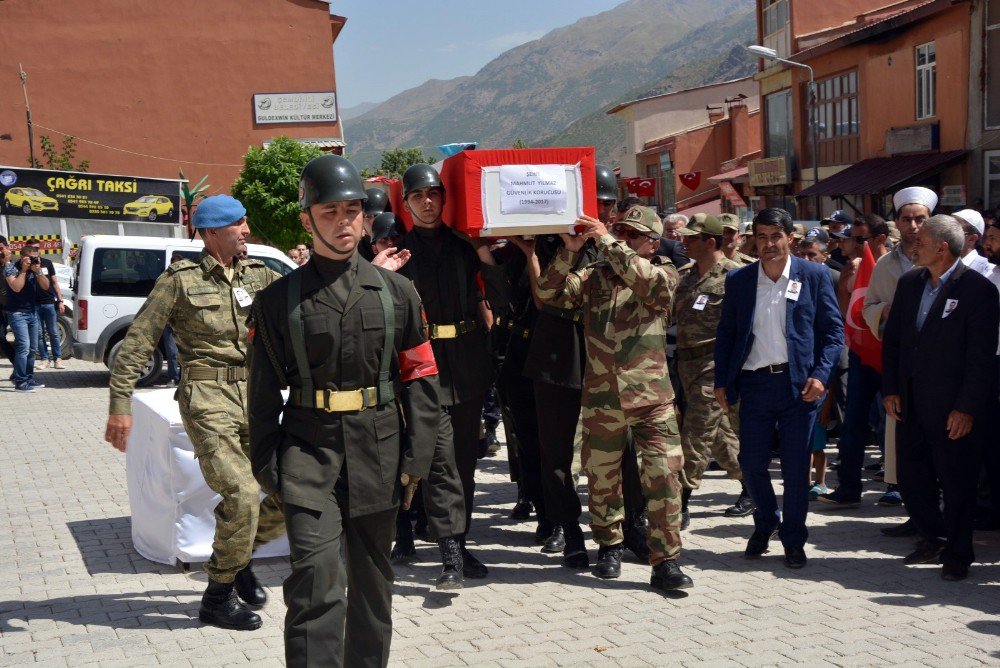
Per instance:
(926,80)
(778,107)
(991,173)
(774,20)
(838,124)
(125,272)
(992,97)
(668,194)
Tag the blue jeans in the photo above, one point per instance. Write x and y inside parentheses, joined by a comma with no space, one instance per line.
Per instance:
(48,324)
(863,384)
(767,401)
(25,327)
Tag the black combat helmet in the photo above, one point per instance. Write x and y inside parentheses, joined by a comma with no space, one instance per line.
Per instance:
(607,184)
(420,176)
(377,202)
(386,225)
(330,178)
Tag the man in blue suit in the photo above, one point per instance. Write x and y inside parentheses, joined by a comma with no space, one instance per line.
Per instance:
(778,340)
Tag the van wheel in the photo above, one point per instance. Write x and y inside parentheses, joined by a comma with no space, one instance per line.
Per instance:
(150,372)
(65,336)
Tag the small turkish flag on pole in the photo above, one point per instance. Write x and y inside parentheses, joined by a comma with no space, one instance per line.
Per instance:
(860,339)
(691,180)
(645,188)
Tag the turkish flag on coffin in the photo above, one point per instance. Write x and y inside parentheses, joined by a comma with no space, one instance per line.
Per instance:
(860,339)
(691,180)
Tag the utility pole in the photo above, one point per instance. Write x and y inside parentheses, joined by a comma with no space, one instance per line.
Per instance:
(27,110)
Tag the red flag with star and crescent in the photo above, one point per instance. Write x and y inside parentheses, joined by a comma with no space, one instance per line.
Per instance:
(860,339)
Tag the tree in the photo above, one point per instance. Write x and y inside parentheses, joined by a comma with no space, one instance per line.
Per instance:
(519,144)
(396,161)
(63,159)
(268,186)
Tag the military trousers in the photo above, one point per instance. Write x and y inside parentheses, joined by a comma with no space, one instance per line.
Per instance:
(339,593)
(442,495)
(517,395)
(558,413)
(707,430)
(215,418)
(655,433)
(465,421)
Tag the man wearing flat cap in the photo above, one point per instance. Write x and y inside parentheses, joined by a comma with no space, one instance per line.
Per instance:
(207,302)
(625,298)
(707,431)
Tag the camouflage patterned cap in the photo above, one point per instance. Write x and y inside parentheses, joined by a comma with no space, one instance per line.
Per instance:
(799,231)
(644,219)
(702,223)
(730,221)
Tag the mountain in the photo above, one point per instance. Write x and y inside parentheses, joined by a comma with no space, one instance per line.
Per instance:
(347,113)
(538,89)
(724,39)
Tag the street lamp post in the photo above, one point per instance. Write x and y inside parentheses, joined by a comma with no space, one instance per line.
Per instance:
(770,54)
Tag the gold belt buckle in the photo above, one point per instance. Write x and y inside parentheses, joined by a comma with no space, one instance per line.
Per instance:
(445,331)
(341,402)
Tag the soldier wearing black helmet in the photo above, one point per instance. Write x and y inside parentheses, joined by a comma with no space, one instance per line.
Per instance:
(376,204)
(444,267)
(348,339)
(386,232)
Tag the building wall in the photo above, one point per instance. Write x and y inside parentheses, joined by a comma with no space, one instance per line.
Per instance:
(981,139)
(811,16)
(172,79)
(666,115)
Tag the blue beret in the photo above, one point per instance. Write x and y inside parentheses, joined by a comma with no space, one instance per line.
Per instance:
(218,211)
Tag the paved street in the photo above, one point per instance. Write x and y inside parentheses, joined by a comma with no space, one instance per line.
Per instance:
(74,592)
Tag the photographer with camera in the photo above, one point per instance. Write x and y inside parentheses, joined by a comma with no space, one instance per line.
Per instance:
(24,279)
(48,307)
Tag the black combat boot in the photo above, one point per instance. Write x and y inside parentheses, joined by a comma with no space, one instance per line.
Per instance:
(635,534)
(575,552)
(685,515)
(543,530)
(556,542)
(221,607)
(472,568)
(667,576)
(609,561)
(451,560)
(248,588)
(403,551)
(744,504)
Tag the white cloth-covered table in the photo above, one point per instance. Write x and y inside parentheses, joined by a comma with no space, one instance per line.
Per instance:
(173,516)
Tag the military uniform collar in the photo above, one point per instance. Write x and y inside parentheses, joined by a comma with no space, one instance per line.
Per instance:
(208,263)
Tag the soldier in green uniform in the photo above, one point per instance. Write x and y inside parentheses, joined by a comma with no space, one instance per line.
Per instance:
(207,303)
(357,429)
(707,430)
(731,238)
(625,299)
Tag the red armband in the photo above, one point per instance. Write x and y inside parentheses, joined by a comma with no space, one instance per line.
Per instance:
(417,362)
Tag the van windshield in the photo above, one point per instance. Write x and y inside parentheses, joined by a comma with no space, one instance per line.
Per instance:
(125,272)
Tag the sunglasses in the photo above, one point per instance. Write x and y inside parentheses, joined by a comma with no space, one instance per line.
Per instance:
(860,240)
(629,232)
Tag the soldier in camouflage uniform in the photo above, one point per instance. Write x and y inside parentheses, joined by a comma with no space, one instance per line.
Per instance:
(625,298)
(707,430)
(207,303)
(731,239)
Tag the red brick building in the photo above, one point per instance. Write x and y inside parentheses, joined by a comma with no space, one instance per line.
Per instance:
(151,88)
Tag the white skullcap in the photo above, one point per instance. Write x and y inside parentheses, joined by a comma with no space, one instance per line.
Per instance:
(915,195)
(973,218)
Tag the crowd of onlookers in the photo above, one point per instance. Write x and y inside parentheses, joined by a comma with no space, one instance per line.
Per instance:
(31,303)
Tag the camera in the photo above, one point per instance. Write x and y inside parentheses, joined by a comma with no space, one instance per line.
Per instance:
(35,260)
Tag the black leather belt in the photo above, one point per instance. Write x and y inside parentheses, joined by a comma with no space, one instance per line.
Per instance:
(515,328)
(769,369)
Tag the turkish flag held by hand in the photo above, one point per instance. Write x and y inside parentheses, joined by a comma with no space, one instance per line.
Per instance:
(691,180)
(860,339)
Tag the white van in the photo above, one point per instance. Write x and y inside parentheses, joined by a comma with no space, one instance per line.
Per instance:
(114,275)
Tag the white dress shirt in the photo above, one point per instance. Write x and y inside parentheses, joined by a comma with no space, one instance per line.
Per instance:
(769,344)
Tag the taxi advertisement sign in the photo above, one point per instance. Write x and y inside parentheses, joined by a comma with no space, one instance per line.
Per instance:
(55,194)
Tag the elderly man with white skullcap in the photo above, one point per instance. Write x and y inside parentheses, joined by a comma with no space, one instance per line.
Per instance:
(974,227)
(913,206)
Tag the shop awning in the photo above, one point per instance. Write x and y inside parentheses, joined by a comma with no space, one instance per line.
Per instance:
(713,206)
(877,175)
(738,175)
